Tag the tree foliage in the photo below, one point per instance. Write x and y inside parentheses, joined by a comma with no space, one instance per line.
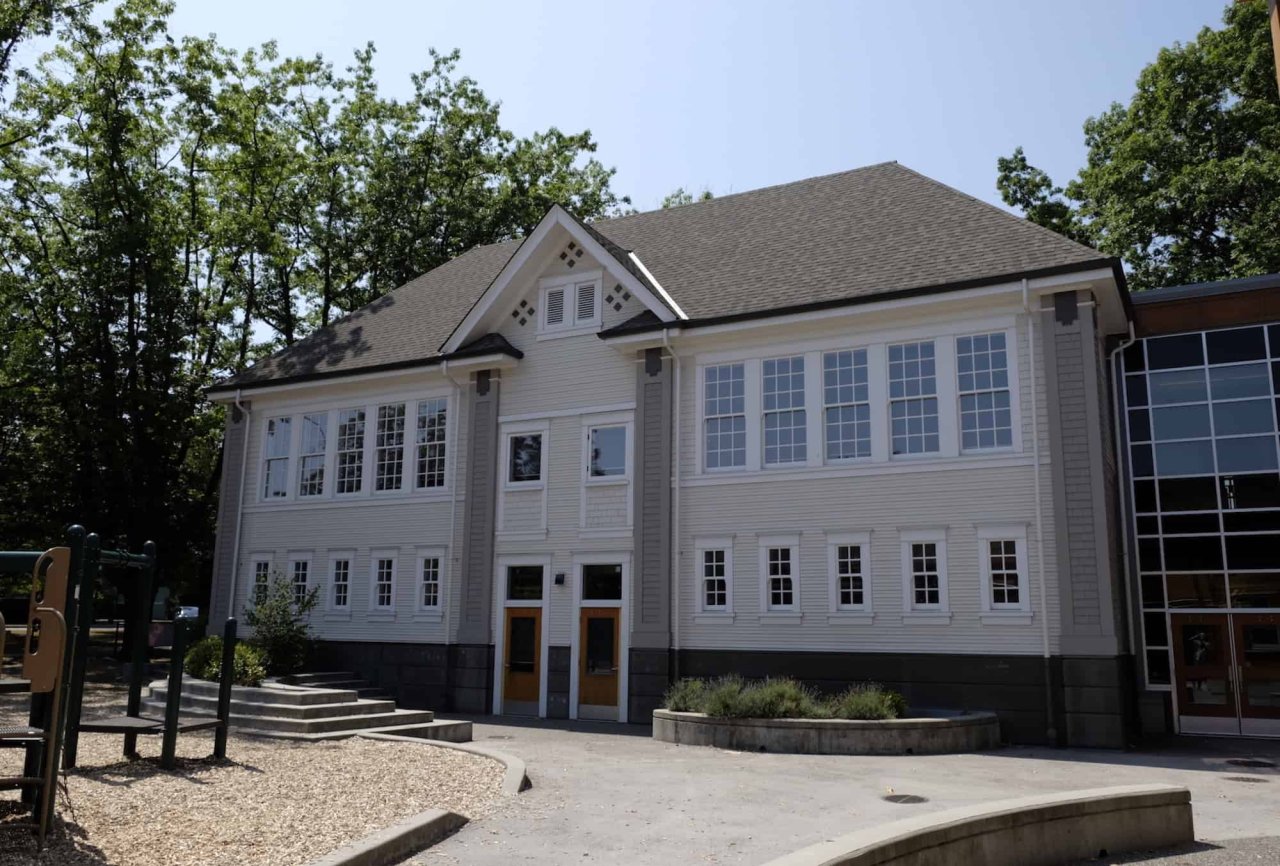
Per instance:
(680,196)
(1183,183)
(172,209)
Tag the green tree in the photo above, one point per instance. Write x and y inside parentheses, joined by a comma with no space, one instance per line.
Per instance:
(680,196)
(1183,183)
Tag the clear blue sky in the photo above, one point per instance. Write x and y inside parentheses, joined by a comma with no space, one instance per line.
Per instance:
(738,95)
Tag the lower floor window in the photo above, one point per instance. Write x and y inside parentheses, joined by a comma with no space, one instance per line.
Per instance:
(715,585)
(926,581)
(1002,556)
(341,582)
(384,576)
(781,586)
(431,581)
(301,568)
(849,575)
(261,580)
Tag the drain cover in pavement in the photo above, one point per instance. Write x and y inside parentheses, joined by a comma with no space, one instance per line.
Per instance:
(1254,779)
(904,799)
(1250,762)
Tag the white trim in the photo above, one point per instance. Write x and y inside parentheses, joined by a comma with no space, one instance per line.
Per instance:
(500,605)
(791,542)
(377,611)
(334,610)
(836,540)
(440,553)
(556,216)
(570,285)
(509,433)
(910,610)
(1013,356)
(671,302)
(1017,533)
(622,558)
(701,545)
(859,468)
(429,366)
(567,413)
(590,424)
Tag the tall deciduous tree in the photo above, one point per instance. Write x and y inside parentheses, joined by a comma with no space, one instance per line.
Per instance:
(1183,183)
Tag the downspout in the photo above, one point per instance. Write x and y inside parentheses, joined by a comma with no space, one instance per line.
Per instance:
(244,467)
(455,556)
(675,508)
(1051,730)
(1117,382)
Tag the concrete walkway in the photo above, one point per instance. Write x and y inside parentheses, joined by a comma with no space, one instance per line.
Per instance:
(610,794)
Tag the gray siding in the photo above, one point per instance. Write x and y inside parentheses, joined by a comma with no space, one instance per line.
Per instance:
(651,622)
(229,498)
(477,570)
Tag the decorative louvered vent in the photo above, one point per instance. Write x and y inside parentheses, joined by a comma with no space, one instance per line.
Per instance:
(523,313)
(586,302)
(555,307)
(617,297)
(571,253)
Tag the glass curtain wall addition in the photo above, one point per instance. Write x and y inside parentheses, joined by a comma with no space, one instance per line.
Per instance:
(1201,418)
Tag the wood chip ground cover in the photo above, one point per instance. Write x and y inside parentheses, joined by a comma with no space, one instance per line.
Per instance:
(275,803)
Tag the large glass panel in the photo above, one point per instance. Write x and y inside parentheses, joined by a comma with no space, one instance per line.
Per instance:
(524,583)
(1243,416)
(1188,494)
(1144,463)
(1242,380)
(1155,629)
(1192,554)
(1197,590)
(1255,590)
(1253,551)
(1135,390)
(1152,590)
(1181,422)
(1179,386)
(1249,454)
(275,471)
(1236,344)
(1185,458)
(1144,496)
(601,657)
(1190,524)
(1139,425)
(1251,521)
(1149,558)
(1135,357)
(1251,491)
(602,582)
(1182,350)
(1158,673)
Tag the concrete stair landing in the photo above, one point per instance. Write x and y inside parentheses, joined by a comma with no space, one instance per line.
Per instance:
(317,708)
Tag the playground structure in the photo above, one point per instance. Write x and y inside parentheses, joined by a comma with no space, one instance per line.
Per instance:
(55,656)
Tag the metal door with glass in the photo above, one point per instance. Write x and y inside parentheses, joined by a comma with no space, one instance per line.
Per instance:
(1258,672)
(1203,671)
(521,683)
(599,641)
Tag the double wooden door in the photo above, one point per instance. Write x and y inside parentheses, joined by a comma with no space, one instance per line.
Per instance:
(1227,673)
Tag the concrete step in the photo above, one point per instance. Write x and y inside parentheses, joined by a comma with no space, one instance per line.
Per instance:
(317,677)
(330,725)
(268,693)
(375,693)
(209,705)
(349,685)
(440,729)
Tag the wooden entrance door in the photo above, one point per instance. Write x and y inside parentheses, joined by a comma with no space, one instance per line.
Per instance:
(598,654)
(1204,673)
(1258,672)
(522,682)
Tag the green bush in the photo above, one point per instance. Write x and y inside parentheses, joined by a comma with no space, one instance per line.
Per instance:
(732,697)
(204,660)
(279,622)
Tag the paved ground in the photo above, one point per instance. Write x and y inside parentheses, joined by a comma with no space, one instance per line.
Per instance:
(610,794)
(1230,852)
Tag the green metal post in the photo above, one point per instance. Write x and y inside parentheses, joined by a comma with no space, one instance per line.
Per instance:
(79,648)
(225,680)
(173,701)
(141,636)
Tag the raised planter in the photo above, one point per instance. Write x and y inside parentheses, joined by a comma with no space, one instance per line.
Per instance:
(932,734)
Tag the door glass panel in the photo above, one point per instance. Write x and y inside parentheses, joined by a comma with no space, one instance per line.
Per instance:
(602,582)
(1155,629)
(1255,590)
(1244,380)
(1250,454)
(1158,673)
(1181,386)
(522,644)
(1152,590)
(524,583)
(600,648)
(1197,590)
(1261,651)
(1203,646)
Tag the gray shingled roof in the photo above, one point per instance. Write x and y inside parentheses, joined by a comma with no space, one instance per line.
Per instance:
(843,237)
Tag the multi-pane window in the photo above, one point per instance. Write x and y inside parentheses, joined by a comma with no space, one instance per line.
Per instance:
(350,458)
(913,400)
(341,583)
(1002,560)
(849,586)
(847,404)
(780,580)
(384,573)
(311,461)
(715,580)
(388,456)
(430,439)
(608,451)
(784,413)
(926,579)
(261,581)
(982,365)
(525,458)
(724,411)
(276,453)
(430,586)
(301,571)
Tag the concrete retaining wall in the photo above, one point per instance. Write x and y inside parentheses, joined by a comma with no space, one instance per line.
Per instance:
(1046,830)
(967,732)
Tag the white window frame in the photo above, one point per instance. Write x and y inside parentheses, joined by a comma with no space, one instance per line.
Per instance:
(1017,533)
(415,446)
(1011,369)
(571,285)
(440,554)
(289,458)
(767,609)
(912,612)
(826,406)
(701,547)
(375,609)
(323,454)
(804,408)
(295,557)
(589,426)
(835,541)
(938,346)
(510,433)
(406,452)
(750,409)
(331,606)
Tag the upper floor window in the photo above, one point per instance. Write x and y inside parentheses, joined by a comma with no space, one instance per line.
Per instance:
(847,401)
(429,465)
(275,469)
(315,429)
(982,365)
(784,413)
(608,451)
(724,411)
(570,304)
(913,399)
(350,464)
(388,468)
(525,459)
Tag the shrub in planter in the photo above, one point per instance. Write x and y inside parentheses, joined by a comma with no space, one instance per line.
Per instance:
(686,696)
(204,660)
(868,701)
(278,618)
(732,697)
